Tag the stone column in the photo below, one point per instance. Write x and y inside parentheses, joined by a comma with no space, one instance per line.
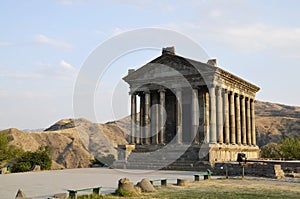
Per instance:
(220,115)
(195,115)
(154,118)
(253,123)
(232,119)
(162,115)
(238,119)
(147,119)
(142,117)
(179,116)
(206,117)
(213,128)
(226,117)
(249,142)
(243,107)
(156,121)
(133,119)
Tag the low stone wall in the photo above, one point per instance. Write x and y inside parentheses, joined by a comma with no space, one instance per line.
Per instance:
(250,169)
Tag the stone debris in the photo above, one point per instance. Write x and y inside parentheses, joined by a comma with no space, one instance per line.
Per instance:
(127,186)
(182,182)
(146,185)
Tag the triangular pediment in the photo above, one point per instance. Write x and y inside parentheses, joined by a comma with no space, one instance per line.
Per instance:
(167,66)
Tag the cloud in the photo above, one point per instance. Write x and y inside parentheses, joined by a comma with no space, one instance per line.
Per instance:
(246,38)
(65,65)
(52,42)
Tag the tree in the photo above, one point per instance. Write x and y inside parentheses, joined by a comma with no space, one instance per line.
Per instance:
(287,148)
(8,152)
(271,150)
(290,148)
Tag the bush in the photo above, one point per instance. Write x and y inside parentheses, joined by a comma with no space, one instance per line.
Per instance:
(288,148)
(8,152)
(29,159)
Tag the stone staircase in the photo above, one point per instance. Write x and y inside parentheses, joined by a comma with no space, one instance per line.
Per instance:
(171,157)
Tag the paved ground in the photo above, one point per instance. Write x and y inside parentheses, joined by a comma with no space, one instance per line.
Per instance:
(44,184)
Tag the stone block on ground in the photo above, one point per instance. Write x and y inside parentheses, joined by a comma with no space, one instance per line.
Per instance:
(182,182)
(146,185)
(127,187)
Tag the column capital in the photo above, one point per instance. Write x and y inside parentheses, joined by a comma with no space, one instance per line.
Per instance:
(162,90)
(132,93)
(146,91)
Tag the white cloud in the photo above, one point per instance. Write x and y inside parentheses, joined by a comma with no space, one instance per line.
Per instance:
(66,65)
(52,42)
(246,38)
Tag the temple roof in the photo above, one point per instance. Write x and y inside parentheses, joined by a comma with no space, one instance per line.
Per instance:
(170,66)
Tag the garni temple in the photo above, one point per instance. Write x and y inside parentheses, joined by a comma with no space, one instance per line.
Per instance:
(185,113)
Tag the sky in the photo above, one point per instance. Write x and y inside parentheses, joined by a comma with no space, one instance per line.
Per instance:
(44,44)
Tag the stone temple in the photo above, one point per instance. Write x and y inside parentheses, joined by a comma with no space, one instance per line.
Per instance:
(185,113)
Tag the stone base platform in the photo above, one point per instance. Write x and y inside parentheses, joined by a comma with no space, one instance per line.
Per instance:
(179,157)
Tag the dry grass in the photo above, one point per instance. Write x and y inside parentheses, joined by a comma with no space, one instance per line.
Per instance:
(233,188)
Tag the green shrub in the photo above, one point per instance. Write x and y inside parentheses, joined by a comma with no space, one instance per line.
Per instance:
(287,148)
(29,159)
(8,152)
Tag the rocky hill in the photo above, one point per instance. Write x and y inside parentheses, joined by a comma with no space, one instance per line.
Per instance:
(75,142)
(276,121)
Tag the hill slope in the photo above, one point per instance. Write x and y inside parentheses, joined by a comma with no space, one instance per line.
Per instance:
(75,142)
(276,121)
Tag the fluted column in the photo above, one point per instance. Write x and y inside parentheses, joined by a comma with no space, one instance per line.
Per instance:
(133,119)
(206,117)
(226,117)
(179,116)
(248,115)
(142,117)
(154,118)
(147,119)
(220,115)
(195,115)
(232,119)
(213,128)
(253,123)
(162,115)
(243,107)
(238,119)
(156,141)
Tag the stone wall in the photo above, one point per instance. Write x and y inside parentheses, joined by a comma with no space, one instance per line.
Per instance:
(251,169)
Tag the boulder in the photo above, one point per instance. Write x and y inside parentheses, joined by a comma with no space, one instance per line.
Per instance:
(146,185)
(126,188)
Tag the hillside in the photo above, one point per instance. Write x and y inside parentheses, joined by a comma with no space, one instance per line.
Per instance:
(75,142)
(276,121)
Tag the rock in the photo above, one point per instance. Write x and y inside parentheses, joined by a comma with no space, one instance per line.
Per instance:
(20,194)
(126,188)
(36,168)
(182,182)
(146,185)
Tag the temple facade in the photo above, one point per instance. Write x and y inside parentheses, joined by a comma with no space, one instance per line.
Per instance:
(179,102)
